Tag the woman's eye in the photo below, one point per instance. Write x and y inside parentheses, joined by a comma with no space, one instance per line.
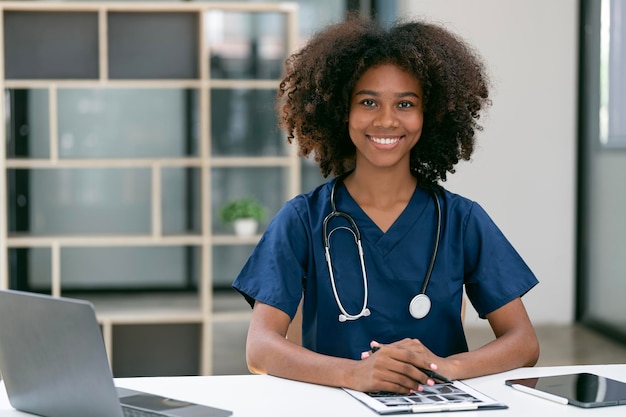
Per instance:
(368,103)
(405,104)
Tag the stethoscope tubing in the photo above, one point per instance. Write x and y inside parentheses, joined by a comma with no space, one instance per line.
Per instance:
(356,233)
(433,257)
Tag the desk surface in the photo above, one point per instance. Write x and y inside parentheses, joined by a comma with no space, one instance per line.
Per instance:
(265,396)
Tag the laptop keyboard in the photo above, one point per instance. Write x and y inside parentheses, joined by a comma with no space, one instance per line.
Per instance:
(137,412)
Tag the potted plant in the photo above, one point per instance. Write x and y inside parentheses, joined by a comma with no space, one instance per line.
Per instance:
(245,215)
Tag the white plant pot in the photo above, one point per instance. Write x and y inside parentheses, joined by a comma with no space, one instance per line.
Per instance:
(246,227)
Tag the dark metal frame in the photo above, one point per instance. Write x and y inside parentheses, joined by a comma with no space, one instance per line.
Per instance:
(588,144)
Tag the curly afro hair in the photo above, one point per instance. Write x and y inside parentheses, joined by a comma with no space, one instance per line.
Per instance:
(314,95)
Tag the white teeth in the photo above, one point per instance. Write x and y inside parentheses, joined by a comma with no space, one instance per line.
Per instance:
(384,141)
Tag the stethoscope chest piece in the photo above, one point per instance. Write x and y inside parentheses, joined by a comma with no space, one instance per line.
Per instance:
(419,306)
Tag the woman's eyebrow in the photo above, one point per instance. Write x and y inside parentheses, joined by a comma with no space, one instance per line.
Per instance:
(375,93)
(367,92)
(408,94)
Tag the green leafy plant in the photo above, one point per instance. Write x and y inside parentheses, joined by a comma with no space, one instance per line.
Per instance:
(242,208)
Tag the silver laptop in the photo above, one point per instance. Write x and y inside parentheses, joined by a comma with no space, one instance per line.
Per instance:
(53,363)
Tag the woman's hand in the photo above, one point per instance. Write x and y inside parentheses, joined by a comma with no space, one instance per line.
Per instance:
(396,367)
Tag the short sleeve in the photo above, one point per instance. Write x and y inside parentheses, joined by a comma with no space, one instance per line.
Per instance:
(495,272)
(274,272)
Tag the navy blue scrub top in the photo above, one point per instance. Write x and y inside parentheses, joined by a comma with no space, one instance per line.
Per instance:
(472,252)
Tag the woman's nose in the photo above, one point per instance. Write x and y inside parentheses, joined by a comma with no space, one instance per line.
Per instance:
(386,117)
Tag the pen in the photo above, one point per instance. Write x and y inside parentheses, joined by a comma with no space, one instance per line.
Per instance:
(429,372)
(435,375)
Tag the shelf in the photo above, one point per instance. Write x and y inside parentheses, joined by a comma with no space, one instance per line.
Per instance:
(146,308)
(86,163)
(213,83)
(40,163)
(15,241)
(117,179)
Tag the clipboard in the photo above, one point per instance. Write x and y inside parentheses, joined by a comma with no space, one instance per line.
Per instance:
(453,396)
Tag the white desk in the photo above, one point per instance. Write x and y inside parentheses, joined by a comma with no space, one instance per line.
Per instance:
(266,396)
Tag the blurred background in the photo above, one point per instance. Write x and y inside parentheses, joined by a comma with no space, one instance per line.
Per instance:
(129,125)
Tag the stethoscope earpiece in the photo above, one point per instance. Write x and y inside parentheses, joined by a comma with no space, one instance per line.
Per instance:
(345,317)
(420,305)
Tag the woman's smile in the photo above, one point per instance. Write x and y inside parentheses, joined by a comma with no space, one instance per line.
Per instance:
(385,140)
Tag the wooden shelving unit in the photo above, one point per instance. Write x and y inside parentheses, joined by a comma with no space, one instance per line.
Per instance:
(108,67)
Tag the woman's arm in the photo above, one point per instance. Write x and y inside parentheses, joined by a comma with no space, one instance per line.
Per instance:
(269,352)
(516,345)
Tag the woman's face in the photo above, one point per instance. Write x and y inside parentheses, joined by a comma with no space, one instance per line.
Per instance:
(386,116)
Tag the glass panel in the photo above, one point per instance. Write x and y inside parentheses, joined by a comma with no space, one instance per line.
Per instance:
(141,350)
(243,123)
(124,268)
(612,70)
(246,45)
(153,45)
(88,201)
(107,268)
(180,201)
(133,123)
(227,262)
(30,269)
(602,235)
(27,123)
(605,242)
(266,185)
(40,44)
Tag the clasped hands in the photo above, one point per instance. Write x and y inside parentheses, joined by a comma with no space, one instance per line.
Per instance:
(402,367)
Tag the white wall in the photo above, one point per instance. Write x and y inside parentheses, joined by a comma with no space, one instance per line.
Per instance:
(524,169)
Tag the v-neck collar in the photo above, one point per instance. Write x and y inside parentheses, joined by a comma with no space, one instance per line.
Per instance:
(385,241)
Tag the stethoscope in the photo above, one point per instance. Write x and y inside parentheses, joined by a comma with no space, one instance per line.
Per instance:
(419,305)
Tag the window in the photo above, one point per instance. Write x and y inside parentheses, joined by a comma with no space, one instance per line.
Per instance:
(612,70)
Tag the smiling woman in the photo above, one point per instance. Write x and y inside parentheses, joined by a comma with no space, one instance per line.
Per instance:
(380,256)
